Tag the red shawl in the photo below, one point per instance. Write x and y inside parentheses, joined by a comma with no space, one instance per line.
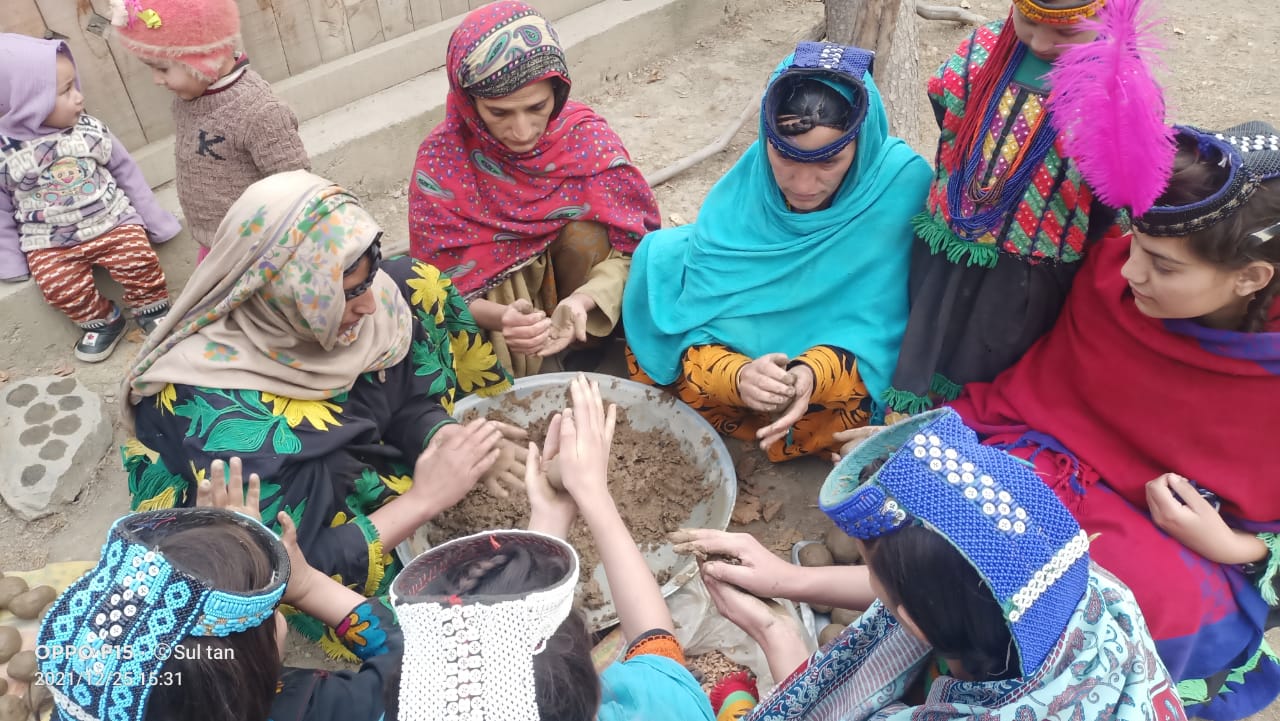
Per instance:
(1134,397)
(477,210)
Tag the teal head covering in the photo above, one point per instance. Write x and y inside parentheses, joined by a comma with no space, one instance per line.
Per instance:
(759,278)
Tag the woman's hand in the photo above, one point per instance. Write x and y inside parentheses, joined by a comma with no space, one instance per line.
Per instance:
(525,330)
(586,432)
(509,469)
(1179,510)
(778,636)
(226,489)
(763,384)
(802,390)
(568,323)
(550,511)
(758,571)
(454,462)
(851,439)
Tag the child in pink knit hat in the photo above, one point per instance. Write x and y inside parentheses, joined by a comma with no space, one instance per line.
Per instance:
(230,128)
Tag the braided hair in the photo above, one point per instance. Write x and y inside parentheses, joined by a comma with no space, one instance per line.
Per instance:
(810,103)
(1229,243)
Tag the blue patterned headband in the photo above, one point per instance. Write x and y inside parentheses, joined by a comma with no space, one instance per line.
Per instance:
(990,506)
(1251,152)
(108,635)
(839,66)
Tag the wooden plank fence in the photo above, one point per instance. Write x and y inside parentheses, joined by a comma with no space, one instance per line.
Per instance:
(282,38)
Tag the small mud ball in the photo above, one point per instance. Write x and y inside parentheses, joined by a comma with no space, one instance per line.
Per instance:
(843,548)
(22,667)
(819,608)
(844,616)
(815,554)
(28,605)
(10,643)
(39,698)
(828,632)
(13,708)
(10,588)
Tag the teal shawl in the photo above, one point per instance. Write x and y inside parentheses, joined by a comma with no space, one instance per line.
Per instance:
(651,688)
(754,276)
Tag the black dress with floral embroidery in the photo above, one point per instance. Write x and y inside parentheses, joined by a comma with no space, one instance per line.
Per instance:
(327,463)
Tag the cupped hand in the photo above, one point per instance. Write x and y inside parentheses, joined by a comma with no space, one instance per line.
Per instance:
(764,384)
(757,571)
(749,613)
(550,511)
(226,489)
(568,323)
(803,390)
(454,462)
(1179,510)
(509,469)
(524,328)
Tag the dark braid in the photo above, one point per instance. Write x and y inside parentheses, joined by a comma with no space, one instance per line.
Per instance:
(1255,319)
(810,103)
(476,572)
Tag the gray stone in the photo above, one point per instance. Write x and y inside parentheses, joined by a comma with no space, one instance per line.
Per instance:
(40,472)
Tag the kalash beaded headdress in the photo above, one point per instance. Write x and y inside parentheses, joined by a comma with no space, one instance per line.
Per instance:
(1037,12)
(1251,153)
(110,632)
(470,656)
(992,508)
(835,64)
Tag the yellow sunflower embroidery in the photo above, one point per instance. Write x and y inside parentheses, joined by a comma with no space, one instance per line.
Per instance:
(198,473)
(166,397)
(338,519)
(398,484)
(318,413)
(429,288)
(167,498)
(474,361)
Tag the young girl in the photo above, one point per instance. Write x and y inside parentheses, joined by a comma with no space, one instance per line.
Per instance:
(230,128)
(1150,409)
(179,620)
(489,625)
(1009,217)
(71,198)
(988,604)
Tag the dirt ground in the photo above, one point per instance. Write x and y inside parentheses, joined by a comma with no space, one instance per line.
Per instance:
(1218,57)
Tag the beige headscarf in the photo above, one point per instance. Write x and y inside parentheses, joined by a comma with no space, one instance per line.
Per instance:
(263,311)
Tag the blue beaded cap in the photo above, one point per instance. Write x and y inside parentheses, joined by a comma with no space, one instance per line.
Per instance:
(116,626)
(844,65)
(988,504)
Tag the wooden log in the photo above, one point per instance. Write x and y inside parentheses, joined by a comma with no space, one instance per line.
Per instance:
(941,12)
(887,27)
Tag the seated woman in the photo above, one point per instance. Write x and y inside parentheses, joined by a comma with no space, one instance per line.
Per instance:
(989,606)
(778,314)
(1151,409)
(525,199)
(292,348)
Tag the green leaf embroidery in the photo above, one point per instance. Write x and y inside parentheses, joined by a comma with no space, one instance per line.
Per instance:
(240,435)
(285,441)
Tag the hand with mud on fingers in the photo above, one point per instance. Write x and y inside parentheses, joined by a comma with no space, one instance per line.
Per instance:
(568,323)
(510,466)
(302,575)
(586,432)
(851,439)
(764,385)
(450,468)
(757,571)
(525,329)
(226,489)
(776,431)
(550,511)
(747,612)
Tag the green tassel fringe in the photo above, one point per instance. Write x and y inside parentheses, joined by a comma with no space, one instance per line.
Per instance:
(1195,691)
(944,387)
(1266,582)
(942,240)
(905,402)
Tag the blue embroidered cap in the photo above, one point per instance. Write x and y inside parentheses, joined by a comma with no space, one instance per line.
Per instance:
(108,635)
(1250,152)
(992,507)
(840,66)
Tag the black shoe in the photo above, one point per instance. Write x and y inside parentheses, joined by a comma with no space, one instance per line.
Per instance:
(101,337)
(148,319)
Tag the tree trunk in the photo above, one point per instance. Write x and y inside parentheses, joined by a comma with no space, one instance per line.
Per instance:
(887,27)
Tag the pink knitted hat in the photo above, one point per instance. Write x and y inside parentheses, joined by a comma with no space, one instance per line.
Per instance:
(197,34)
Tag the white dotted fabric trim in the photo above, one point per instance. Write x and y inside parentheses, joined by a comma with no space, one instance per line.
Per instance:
(69,707)
(978,488)
(830,56)
(1049,574)
(1246,143)
(474,662)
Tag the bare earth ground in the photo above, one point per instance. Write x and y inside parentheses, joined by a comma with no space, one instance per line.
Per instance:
(1219,57)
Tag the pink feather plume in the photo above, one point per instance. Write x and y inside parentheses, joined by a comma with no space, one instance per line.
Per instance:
(1110,109)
